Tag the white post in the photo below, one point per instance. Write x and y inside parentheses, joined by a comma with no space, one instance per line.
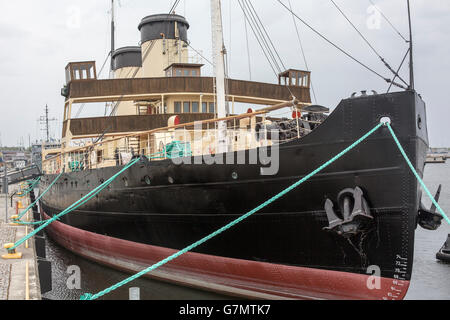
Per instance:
(219,72)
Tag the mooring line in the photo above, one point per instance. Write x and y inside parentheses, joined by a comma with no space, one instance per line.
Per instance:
(75,205)
(16,220)
(30,187)
(402,151)
(89,296)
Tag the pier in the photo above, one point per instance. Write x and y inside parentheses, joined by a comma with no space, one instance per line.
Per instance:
(19,278)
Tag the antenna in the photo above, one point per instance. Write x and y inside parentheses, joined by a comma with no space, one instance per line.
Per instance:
(45,121)
(411,56)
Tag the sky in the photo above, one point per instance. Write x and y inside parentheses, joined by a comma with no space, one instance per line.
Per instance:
(39,38)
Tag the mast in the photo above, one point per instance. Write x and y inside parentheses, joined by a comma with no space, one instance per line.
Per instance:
(113,33)
(219,72)
(411,56)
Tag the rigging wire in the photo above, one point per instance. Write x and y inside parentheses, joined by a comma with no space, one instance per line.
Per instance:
(302,50)
(248,50)
(175,4)
(99,74)
(366,41)
(340,49)
(398,70)
(266,33)
(257,38)
(388,21)
(199,53)
(258,33)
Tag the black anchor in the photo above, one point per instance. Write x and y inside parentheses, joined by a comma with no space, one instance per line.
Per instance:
(356,217)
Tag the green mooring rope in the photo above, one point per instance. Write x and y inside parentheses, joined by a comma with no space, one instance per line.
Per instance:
(89,296)
(75,205)
(30,187)
(38,198)
(402,151)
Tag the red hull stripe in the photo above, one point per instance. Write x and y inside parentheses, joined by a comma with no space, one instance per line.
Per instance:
(236,277)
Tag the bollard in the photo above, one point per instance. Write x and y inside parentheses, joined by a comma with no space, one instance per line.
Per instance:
(13,218)
(12,254)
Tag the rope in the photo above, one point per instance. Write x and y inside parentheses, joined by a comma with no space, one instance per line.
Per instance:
(398,70)
(257,38)
(367,41)
(336,46)
(248,49)
(402,151)
(302,50)
(38,198)
(393,27)
(30,187)
(75,205)
(89,296)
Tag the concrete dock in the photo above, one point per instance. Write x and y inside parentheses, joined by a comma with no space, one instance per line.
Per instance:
(18,278)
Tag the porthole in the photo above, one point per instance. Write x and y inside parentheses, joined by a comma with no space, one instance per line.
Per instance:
(419,122)
(171,181)
(234,175)
(147,180)
(125,182)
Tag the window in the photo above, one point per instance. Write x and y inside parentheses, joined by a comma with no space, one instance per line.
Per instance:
(177,107)
(195,107)
(212,107)
(186,107)
(99,156)
(194,73)
(205,107)
(186,72)
(178,72)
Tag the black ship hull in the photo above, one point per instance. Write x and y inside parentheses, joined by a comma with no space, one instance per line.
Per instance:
(166,205)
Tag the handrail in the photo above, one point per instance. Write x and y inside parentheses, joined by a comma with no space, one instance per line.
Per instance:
(134,134)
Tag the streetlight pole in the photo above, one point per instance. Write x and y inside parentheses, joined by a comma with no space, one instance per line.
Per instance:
(5,188)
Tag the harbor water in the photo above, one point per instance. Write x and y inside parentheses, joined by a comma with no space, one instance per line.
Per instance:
(430,277)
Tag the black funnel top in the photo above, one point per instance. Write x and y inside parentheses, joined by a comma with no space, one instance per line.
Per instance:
(127,57)
(152,27)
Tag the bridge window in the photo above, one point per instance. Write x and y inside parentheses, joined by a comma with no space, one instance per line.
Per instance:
(177,107)
(80,71)
(204,107)
(186,107)
(212,107)
(294,77)
(195,107)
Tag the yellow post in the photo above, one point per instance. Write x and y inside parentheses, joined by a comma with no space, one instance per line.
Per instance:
(12,254)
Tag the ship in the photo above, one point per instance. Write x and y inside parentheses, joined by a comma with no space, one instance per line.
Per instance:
(190,180)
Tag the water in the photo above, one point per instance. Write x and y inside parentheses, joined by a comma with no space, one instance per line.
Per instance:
(430,277)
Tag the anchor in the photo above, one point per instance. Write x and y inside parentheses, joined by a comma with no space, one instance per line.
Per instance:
(429,219)
(355,213)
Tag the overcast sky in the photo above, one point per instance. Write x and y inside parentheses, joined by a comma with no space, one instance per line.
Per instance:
(39,38)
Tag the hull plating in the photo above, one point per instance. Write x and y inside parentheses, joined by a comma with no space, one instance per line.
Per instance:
(184,203)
